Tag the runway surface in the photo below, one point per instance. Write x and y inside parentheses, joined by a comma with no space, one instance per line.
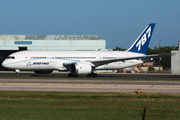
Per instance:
(102,76)
(59,82)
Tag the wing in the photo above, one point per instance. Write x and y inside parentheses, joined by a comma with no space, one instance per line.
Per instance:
(100,62)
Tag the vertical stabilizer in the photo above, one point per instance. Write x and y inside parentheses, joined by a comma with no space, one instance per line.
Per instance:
(142,42)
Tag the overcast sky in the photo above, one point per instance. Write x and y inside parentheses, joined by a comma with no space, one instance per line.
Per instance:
(120,22)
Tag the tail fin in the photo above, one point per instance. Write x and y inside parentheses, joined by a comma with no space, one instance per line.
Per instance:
(142,42)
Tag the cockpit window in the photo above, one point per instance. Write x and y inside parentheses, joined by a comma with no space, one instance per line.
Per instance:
(10,57)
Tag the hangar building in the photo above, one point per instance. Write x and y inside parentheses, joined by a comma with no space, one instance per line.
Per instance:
(13,43)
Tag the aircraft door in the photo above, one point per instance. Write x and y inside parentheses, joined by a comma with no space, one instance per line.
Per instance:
(24,59)
(98,56)
(51,60)
(51,57)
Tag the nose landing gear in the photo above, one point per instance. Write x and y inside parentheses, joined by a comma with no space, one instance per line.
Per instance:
(17,72)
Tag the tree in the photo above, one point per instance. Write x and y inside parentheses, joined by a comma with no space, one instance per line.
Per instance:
(151,69)
(119,49)
(166,61)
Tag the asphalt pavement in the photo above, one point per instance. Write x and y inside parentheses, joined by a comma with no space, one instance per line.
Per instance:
(105,82)
(101,76)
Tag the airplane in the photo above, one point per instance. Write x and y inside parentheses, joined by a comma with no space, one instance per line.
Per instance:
(82,62)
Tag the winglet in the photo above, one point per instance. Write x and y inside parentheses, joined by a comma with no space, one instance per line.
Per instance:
(142,42)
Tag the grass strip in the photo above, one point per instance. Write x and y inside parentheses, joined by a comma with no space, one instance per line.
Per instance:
(72,106)
(85,95)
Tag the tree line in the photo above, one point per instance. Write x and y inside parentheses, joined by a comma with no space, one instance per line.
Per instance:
(165,61)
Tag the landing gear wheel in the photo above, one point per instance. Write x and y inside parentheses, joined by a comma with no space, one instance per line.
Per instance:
(92,75)
(69,75)
(76,76)
(17,74)
(95,75)
(72,75)
(88,75)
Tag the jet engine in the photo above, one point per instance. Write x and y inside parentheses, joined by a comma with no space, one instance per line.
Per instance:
(43,71)
(79,68)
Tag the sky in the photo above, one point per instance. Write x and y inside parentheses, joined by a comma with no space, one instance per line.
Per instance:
(119,22)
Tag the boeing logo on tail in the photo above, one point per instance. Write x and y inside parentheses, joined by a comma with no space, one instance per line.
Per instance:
(142,42)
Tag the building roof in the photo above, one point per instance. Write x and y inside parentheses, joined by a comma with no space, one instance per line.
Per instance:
(50,37)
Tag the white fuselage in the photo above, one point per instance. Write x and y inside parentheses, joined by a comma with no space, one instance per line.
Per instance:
(56,60)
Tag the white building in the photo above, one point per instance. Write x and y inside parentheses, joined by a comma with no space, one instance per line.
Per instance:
(52,42)
(175,61)
(13,43)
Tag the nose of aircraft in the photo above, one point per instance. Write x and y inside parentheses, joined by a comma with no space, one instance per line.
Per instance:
(4,63)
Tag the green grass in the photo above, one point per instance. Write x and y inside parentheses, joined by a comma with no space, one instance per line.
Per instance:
(87,106)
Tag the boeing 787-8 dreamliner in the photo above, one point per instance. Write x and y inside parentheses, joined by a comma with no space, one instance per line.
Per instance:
(82,62)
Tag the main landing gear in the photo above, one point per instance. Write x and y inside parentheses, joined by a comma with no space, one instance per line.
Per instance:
(92,75)
(17,72)
(88,75)
(72,75)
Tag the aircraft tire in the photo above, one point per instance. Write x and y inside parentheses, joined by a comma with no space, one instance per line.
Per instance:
(17,75)
(95,75)
(89,75)
(71,75)
(92,75)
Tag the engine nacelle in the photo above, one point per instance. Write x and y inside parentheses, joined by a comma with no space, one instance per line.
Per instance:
(43,71)
(79,68)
